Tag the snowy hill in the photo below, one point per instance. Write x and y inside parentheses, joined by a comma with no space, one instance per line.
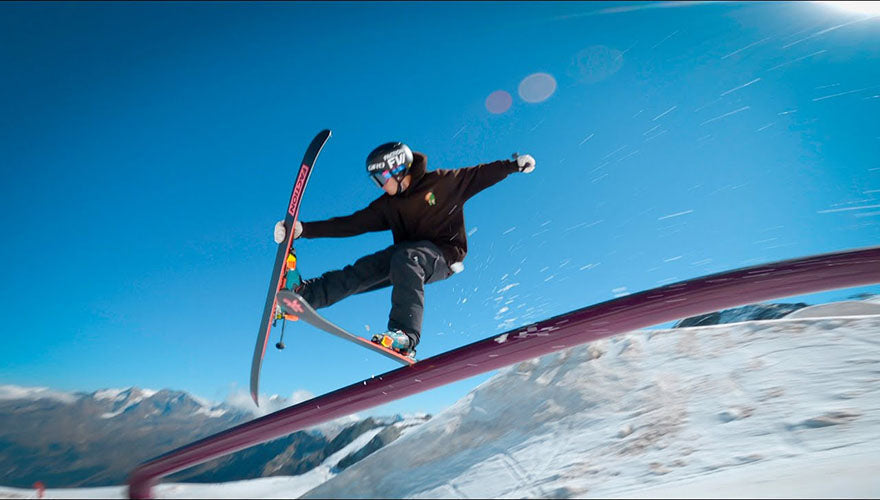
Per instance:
(846,308)
(655,409)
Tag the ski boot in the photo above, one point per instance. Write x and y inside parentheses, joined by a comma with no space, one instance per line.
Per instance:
(292,281)
(396,340)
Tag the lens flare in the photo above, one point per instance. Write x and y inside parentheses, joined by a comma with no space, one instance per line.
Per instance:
(498,102)
(537,87)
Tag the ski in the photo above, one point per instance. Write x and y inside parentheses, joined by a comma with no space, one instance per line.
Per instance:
(294,305)
(284,248)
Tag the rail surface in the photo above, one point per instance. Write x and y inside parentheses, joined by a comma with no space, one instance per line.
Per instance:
(659,305)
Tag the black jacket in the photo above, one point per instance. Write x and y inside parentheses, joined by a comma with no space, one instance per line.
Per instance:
(429,209)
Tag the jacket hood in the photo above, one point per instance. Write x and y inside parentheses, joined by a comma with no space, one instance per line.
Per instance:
(418,168)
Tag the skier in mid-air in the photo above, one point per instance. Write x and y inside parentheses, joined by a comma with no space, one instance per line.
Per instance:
(424,211)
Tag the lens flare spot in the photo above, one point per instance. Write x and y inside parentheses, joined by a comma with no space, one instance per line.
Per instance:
(498,102)
(596,63)
(537,87)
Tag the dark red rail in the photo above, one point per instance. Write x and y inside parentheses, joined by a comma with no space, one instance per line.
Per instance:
(659,305)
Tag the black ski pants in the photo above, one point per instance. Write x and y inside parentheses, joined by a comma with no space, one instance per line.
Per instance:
(406,267)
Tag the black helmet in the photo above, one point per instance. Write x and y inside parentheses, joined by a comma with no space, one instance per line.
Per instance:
(392,159)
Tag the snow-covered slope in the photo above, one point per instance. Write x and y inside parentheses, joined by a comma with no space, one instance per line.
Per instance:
(720,403)
(845,308)
(776,408)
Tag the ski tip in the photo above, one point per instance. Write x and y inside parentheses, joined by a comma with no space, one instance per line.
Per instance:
(256,399)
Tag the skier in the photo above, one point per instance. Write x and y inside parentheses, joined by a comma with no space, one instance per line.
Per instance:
(424,211)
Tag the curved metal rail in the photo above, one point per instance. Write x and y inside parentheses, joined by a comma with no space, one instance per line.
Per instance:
(659,305)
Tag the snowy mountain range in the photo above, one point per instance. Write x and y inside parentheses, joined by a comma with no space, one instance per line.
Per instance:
(92,439)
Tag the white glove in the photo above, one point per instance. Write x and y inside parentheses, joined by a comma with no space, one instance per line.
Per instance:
(525,163)
(281,231)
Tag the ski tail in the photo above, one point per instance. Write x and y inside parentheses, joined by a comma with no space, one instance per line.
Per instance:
(279,268)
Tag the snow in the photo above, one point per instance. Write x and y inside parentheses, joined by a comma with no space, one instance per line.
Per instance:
(35,393)
(758,409)
(845,308)
(822,475)
(271,487)
(211,413)
(507,288)
(268,404)
(110,394)
(121,394)
(754,409)
(130,397)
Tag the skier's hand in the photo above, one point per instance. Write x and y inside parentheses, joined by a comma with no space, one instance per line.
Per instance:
(525,163)
(280,232)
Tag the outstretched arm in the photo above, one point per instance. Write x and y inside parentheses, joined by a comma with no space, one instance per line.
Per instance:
(367,220)
(477,178)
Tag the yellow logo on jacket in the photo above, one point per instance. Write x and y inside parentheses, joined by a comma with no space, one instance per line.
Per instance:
(430,199)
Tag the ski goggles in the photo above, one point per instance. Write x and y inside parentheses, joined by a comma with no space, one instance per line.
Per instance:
(384,176)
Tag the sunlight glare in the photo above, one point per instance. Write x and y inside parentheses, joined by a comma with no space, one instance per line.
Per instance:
(871,9)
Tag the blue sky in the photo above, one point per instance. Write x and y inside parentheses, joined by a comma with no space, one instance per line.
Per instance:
(148,149)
